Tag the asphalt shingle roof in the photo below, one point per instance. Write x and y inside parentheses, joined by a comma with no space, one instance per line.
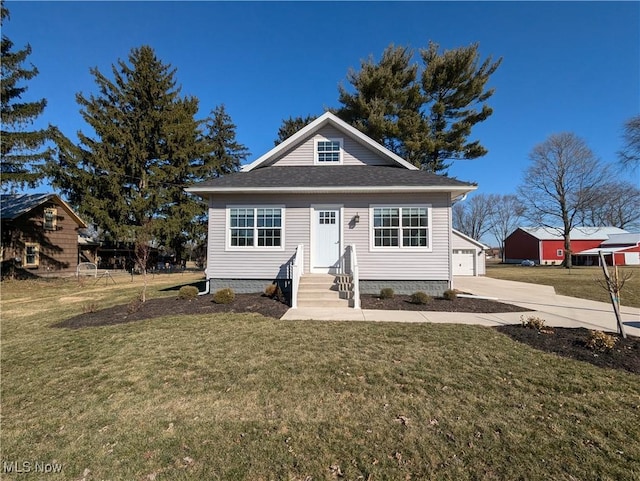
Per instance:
(331,176)
(14,205)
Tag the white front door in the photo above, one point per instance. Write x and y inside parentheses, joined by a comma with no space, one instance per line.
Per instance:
(326,238)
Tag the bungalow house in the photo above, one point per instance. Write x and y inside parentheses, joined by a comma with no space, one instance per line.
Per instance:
(544,245)
(39,233)
(329,209)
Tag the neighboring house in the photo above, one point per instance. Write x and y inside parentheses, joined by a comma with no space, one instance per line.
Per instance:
(331,200)
(39,233)
(545,245)
(468,255)
(619,249)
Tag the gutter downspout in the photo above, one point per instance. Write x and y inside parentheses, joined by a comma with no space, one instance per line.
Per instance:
(207,288)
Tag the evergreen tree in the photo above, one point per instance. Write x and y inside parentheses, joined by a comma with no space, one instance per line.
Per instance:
(146,148)
(425,114)
(22,151)
(386,97)
(222,154)
(453,85)
(291,125)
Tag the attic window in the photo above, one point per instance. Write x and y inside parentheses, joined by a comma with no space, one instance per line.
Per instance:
(50,217)
(328,151)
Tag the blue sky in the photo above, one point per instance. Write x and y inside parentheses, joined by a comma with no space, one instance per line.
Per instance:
(567,66)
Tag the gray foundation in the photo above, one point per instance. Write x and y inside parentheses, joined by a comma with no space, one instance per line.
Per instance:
(433,288)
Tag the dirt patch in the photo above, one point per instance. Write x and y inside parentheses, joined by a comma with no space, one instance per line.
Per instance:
(174,306)
(461,304)
(572,343)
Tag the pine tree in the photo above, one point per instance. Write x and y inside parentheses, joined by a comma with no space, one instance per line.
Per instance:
(222,154)
(146,148)
(453,86)
(386,97)
(424,114)
(23,151)
(291,125)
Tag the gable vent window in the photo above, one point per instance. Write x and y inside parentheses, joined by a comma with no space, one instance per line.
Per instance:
(50,217)
(329,151)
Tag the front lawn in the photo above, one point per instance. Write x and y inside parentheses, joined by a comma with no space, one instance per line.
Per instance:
(576,282)
(240,396)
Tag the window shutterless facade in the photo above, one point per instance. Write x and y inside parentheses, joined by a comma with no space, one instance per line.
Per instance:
(255,227)
(401,227)
(328,151)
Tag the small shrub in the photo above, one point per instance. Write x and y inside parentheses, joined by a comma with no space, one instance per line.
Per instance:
(450,294)
(90,307)
(224,296)
(420,298)
(532,322)
(271,290)
(188,292)
(386,293)
(599,341)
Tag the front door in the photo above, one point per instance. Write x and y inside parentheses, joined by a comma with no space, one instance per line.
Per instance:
(326,241)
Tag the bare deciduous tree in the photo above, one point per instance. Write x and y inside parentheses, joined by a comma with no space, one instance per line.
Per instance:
(472,216)
(630,154)
(616,204)
(505,217)
(561,182)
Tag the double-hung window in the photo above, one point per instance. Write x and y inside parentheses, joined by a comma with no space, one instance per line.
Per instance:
(401,227)
(31,255)
(50,218)
(255,227)
(328,151)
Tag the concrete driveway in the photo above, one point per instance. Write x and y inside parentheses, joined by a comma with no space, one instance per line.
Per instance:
(556,310)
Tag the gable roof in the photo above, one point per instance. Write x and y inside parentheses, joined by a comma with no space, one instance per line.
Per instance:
(470,239)
(13,206)
(629,239)
(577,233)
(327,119)
(332,178)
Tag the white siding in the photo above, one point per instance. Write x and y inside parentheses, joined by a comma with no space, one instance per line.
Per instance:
(354,152)
(374,264)
(460,243)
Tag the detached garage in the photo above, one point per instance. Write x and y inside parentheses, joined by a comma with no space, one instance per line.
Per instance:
(467,256)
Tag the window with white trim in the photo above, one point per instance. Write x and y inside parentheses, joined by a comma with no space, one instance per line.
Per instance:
(31,255)
(560,253)
(401,227)
(328,151)
(255,227)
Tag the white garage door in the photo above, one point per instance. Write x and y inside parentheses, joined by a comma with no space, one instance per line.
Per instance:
(463,262)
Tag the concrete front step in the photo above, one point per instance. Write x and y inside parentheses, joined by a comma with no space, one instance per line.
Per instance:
(334,303)
(323,290)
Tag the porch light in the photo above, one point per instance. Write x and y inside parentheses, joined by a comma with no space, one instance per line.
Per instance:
(356,218)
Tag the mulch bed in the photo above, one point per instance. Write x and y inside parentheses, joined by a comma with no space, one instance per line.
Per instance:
(174,306)
(563,341)
(572,342)
(461,304)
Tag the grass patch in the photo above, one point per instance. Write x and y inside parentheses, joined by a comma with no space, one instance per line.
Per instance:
(245,397)
(575,282)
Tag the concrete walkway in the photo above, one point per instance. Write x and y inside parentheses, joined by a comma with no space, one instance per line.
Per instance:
(558,311)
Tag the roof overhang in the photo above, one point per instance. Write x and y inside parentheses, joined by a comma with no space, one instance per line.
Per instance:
(455,191)
(596,251)
(327,119)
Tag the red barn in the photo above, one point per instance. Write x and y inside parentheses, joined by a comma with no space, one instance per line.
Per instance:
(545,245)
(619,249)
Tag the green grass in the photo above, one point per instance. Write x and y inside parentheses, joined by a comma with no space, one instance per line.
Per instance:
(244,397)
(576,282)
